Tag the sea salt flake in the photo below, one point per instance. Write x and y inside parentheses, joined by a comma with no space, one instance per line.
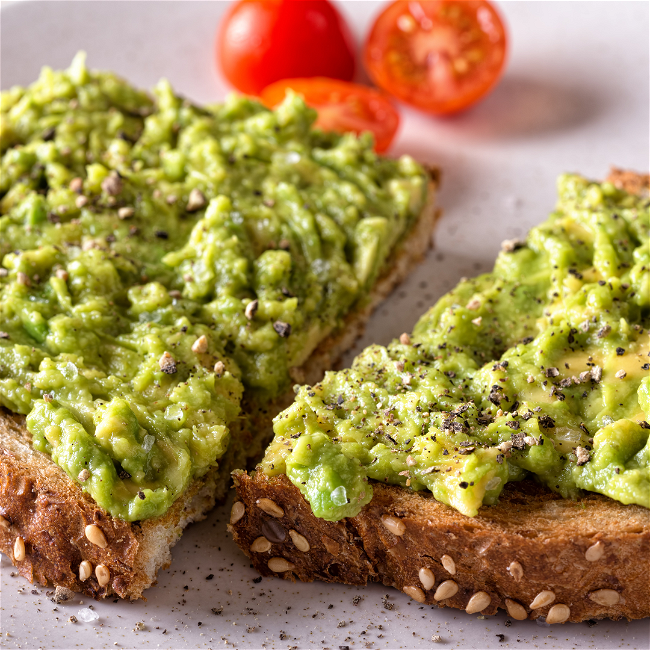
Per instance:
(87,615)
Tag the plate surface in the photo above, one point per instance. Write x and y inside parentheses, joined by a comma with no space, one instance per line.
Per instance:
(574,98)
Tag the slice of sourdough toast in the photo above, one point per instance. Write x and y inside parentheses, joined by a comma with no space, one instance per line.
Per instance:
(44,515)
(533,554)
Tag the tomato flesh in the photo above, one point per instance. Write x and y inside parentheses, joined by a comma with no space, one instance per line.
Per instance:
(342,106)
(438,55)
(261,41)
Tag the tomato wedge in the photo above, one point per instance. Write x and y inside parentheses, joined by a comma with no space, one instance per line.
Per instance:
(438,55)
(342,106)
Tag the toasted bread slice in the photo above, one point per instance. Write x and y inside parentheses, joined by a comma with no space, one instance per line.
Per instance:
(570,560)
(45,512)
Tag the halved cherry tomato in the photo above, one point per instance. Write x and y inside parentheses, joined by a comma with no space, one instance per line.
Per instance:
(342,106)
(261,41)
(438,55)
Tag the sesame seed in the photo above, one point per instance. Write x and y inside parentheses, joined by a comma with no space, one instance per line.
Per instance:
(478,602)
(237,512)
(516,570)
(445,590)
(427,578)
(300,542)
(393,524)
(95,535)
(103,575)
(516,610)
(595,552)
(19,549)
(605,597)
(280,565)
(449,564)
(542,599)
(260,545)
(416,593)
(558,614)
(270,507)
(85,570)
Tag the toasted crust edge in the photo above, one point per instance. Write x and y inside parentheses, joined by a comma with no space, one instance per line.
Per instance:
(40,504)
(549,537)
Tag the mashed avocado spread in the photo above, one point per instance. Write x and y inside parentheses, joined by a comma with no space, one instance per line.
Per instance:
(540,368)
(158,259)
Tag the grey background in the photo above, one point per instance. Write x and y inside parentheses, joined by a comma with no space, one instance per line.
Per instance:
(574,98)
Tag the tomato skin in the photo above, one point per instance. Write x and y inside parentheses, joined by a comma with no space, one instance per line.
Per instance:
(441,56)
(262,41)
(342,106)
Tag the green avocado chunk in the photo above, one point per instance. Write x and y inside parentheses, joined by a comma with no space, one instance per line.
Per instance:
(158,259)
(539,369)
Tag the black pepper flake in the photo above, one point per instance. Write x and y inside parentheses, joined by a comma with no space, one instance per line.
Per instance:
(501,637)
(546,421)
(161,234)
(513,424)
(209,577)
(551,372)
(257,580)
(464,485)
(620,352)
(282,329)
(141,495)
(644,425)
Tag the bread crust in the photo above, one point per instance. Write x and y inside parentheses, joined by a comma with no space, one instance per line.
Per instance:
(41,505)
(570,548)
(547,535)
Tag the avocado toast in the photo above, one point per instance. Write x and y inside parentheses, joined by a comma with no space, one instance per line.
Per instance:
(517,399)
(167,271)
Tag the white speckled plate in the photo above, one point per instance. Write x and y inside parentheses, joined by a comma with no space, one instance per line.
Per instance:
(574,98)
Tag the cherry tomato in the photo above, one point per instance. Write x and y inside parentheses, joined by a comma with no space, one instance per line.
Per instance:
(261,41)
(438,55)
(342,106)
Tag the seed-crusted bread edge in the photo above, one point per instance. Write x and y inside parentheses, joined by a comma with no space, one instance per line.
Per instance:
(573,561)
(587,559)
(44,512)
